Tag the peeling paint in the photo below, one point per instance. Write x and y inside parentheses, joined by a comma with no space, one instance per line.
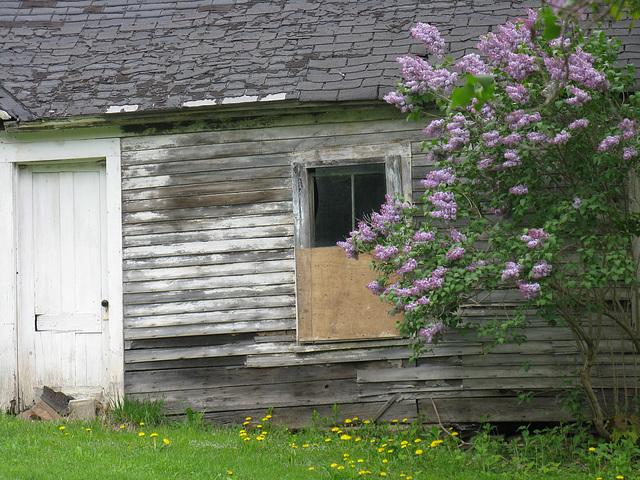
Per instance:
(200,103)
(274,97)
(121,108)
(242,99)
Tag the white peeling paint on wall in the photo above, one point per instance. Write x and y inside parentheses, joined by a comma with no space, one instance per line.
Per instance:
(200,103)
(242,99)
(274,97)
(121,108)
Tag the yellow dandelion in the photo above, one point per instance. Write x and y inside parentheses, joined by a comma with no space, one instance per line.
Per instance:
(311,468)
(620,477)
(121,426)
(384,460)
(454,434)
(66,433)
(341,467)
(258,426)
(383,474)
(346,455)
(405,419)
(327,439)
(345,437)
(334,465)
(268,417)
(245,423)
(141,434)
(348,420)
(409,477)
(358,439)
(366,422)
(335,429)
(248,418)
(88,429)
(417,440)
(360,460)
(229,472)
(404,442)
(264,419)
(306,445)
(418,452)
(142,424)
(355,419)
(380,450)
(394,421)
(154,434)
(62,428)
(390,451)
(592,449)
(246,439)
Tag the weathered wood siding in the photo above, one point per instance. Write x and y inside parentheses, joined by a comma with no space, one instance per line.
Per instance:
(209,292)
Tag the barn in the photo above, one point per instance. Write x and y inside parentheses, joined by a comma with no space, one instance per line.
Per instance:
(173,178)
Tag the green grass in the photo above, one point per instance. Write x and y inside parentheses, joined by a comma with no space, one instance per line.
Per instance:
(79,450)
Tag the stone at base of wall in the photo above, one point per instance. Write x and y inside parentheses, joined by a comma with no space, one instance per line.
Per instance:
(84,409)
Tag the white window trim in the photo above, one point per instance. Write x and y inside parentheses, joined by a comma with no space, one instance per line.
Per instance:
(11,155)
(396,158)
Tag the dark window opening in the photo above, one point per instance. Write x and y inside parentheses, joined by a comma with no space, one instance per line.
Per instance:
(342,196)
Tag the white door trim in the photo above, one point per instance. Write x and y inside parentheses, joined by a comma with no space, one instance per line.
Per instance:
(12,154)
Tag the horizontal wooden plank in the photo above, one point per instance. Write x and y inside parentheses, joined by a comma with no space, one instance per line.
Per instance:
(229,281)
(211,173)
(197,224)
(225,316)
(237,326)
(248,186)
(213,246)
(209,377)
(222,292)
(216,305)
(163,354)
(342,127)
(217,211)
(276,194)
(220,234)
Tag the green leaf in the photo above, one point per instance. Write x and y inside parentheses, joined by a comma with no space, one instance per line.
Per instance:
(461,96)
(551,28)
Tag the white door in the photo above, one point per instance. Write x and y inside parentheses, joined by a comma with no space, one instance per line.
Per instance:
(62,297)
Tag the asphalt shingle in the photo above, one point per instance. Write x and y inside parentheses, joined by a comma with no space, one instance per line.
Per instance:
(81,57)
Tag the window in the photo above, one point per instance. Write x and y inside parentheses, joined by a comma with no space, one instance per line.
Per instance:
(333,190)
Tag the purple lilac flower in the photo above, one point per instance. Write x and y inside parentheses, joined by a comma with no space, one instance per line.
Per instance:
(424,236)
(455,253)
(561,138)
(434,281)
(537,137)
(437,177)
(349,247)
(435,128)
(491,138)
(375,287)
(421,77)
(609,142)
(578,124)
(472,266)
(518,93)
(510,38)
(580,97)
(399,100)
(473,64)
(485,163)
(512,140)
(519,190)
(520,65)
(432,332)
(384,254)
(445,204)
(408,267)
(628,128)
(541,269)
(430,36)
(580,70)
(512,271)
(535,237)
(410,307)
(529,290)
(519,118)
(457,140)
(513,159)
(407,292)
(577,203)
(628,153)
(423,301)
(456,236)
(365,233)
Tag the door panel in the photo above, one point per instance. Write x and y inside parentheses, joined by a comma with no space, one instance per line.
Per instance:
(62,278)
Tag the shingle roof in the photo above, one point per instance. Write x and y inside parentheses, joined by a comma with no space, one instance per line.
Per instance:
(87,57)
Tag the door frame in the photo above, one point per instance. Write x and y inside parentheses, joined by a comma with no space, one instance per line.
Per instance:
(12,155)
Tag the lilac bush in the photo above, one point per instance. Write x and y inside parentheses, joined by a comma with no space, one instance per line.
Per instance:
(531,189)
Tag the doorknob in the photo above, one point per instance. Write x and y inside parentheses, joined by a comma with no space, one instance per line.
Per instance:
(105,303)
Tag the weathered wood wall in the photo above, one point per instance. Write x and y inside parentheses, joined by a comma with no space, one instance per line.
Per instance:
(210,307)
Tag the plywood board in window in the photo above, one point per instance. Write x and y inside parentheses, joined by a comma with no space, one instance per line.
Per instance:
(333,301)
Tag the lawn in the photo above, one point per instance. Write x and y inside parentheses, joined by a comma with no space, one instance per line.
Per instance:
(259,450)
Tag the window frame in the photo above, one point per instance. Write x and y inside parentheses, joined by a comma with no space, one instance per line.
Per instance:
(395,157)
